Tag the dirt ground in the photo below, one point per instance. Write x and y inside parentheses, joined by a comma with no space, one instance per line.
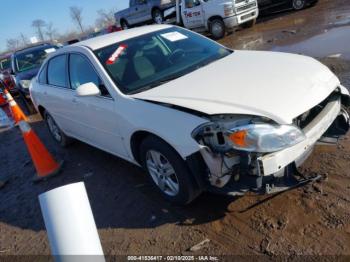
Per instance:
(133,219)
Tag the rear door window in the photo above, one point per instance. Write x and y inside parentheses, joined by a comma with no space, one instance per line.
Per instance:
(56,73)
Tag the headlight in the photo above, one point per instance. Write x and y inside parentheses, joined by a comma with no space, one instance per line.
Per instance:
(264,138)
(228,10)
(25,83)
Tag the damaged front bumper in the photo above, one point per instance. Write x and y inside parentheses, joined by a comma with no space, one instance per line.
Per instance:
(275,172)
(314,131)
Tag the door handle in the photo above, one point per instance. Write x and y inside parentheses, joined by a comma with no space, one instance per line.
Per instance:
(75,101)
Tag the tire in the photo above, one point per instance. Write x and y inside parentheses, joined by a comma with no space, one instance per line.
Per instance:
(299,4)
(158,158)
(124,24)
(57,134)
(157,16)
(217,28)
(249,24)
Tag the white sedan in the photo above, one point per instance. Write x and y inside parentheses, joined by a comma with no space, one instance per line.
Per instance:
(194,114)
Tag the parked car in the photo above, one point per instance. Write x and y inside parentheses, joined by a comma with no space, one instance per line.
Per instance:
(194,114)
(25,64)
(5,76)
(5,62)
(142,11)
(272,6)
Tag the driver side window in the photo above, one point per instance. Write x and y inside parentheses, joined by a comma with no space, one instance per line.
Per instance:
(82,72)
(192,3)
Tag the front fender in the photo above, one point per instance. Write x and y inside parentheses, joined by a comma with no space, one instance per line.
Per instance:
(173,126)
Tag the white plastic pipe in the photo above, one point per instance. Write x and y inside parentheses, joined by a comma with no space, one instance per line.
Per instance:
(70,224)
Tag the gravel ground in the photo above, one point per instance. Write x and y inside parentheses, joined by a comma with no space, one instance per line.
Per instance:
(133,219)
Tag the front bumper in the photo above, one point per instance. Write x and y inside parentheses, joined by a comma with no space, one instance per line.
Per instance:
(276,162)
(236,20)
(278,171)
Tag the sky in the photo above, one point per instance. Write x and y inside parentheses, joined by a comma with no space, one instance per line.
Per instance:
(17,15)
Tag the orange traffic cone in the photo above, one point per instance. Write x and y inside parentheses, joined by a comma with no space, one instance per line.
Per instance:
(44,163)
(17,113)
(5,105)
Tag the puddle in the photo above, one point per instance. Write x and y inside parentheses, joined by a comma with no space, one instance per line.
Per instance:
(342,22)
(332,42)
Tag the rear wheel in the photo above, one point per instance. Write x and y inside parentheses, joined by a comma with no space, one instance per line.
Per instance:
(157,16)
(298,4)
(167,171)
(58,135)
(217,28)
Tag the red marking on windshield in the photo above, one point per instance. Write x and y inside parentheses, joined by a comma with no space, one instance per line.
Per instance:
(113,58)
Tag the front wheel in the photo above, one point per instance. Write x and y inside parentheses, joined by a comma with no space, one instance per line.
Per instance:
(167,171)
(157,16)
(217,29)
(298,4)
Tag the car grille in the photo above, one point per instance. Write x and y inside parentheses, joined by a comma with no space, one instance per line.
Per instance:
(240,1)
(303,120)
(246,7)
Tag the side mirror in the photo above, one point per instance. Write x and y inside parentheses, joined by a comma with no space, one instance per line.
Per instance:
(88,89)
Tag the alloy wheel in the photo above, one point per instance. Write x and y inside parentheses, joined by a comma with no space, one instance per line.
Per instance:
(54,129)
(162,173)
(298,4)
(157,17)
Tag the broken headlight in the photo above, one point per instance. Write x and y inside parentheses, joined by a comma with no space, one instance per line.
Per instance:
(264,138)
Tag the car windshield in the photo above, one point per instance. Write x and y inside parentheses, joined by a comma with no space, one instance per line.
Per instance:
(5,63)
(144,62)
(33,59)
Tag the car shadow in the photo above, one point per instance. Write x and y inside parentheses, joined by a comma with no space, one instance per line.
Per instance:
(120,193)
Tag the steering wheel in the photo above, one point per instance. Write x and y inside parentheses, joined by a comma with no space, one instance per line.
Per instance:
(176,55)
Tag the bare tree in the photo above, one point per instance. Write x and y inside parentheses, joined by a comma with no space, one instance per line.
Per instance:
(75,13)
(24,39)
(51,32)
(39,25)
(105,18)
(12,44)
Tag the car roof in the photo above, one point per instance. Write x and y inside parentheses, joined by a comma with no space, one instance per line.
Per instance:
(109,39)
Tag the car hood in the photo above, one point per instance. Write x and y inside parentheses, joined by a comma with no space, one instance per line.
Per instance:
(279,86)
(27,75)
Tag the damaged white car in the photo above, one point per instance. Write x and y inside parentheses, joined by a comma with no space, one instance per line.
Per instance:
(194,114)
